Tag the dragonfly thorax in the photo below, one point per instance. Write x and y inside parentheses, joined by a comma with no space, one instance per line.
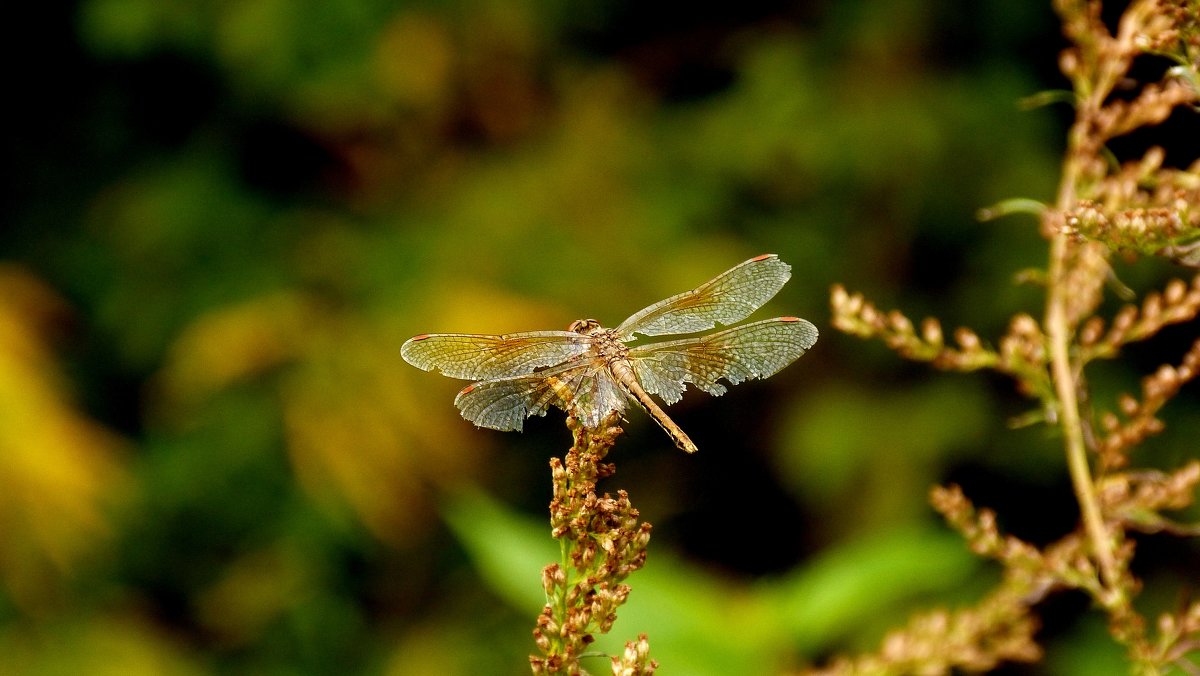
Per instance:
(605,342)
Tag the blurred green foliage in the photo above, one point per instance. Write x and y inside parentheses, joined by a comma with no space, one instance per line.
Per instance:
(228,217)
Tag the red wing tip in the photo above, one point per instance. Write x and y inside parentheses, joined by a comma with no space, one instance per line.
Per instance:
(763,257)
(789,319)
(423,336)
(467,389)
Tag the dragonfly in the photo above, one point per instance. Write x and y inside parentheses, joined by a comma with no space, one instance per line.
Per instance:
(591,372)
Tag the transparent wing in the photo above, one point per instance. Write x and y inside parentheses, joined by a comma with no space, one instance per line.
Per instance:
(756,350)
(726,299)
(480,357)
(504,403)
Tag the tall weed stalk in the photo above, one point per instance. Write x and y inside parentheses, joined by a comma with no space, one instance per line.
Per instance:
(1105,209)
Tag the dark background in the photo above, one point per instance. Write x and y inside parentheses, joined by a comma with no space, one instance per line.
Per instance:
(223,219)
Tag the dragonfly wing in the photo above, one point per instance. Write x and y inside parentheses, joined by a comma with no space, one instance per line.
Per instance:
(726,299)
(480,357)
(504,403)
(756,350)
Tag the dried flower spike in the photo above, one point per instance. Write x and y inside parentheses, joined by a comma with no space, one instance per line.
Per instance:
(603,542)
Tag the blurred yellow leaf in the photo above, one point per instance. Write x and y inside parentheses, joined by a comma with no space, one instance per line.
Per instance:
(413,61)
(57,468)
(118,644)
(357,430)
(237,342)
(252,592)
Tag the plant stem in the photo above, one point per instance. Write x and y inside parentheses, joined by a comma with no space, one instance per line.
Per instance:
(1058,332)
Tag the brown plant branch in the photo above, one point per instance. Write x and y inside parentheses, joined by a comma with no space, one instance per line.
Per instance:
(1022,352)
(855,315)
(1177,303)
(1141,421)
(1137,498)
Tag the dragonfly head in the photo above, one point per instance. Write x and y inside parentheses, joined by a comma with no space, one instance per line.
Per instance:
(585,326)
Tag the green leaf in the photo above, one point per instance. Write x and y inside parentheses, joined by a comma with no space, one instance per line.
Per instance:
(856,583)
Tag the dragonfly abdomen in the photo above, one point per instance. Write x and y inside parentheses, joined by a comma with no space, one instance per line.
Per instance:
(623,373)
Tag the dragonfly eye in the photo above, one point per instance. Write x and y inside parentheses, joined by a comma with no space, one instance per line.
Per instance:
(583,325)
